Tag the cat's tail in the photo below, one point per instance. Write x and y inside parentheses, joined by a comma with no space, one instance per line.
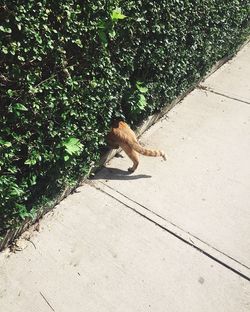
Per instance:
(148,152)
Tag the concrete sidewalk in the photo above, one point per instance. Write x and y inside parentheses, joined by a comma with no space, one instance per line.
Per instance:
(173,236)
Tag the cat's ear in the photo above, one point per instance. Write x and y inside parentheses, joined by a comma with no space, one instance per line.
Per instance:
(115,123)
(116,118)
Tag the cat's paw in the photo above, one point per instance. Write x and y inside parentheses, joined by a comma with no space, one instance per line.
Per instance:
(131,169)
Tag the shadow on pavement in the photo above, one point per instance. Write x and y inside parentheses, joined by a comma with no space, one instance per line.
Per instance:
(118,174)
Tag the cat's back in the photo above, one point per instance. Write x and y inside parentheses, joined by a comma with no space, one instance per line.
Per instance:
(123,132)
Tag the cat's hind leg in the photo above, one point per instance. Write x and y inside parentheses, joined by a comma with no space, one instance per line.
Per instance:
(133,155)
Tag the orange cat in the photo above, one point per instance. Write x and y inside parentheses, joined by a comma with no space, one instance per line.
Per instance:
(121,135)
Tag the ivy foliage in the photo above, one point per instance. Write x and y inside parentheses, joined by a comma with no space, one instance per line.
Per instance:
(68,67)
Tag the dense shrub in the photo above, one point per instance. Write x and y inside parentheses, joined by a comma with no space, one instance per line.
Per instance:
(67,67)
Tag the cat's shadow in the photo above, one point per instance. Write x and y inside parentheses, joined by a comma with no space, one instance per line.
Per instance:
(108,173)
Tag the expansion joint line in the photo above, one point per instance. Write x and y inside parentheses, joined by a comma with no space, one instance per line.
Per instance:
(201,87)
(170,231)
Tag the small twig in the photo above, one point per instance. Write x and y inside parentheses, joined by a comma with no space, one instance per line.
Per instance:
(203,87)
(47,302)
(32,243)
(54,75)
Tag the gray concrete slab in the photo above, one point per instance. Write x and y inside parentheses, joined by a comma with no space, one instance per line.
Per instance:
(204,186)
(233,78)
(95,254)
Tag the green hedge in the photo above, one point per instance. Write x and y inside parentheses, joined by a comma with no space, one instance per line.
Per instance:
(68,67)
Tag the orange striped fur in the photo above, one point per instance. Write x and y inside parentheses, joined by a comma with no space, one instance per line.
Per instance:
(121,135)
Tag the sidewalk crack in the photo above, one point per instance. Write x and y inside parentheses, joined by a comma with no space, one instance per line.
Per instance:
(205,88)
